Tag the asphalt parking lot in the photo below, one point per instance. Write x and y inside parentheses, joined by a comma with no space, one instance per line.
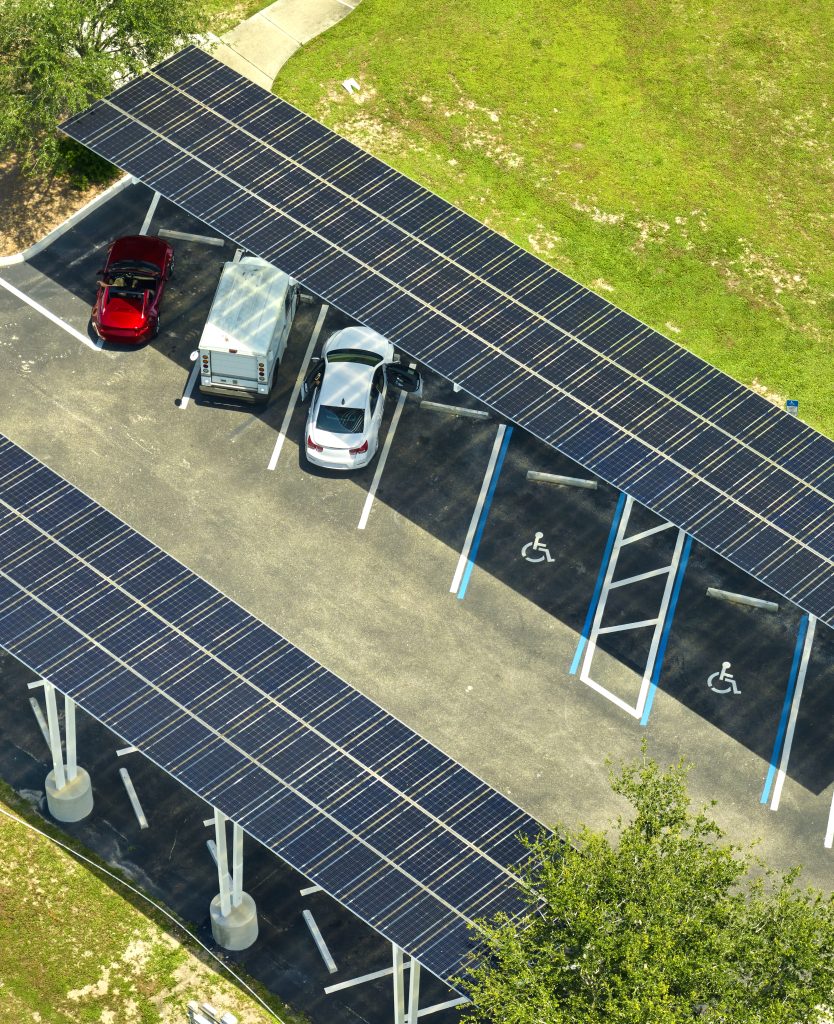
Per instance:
(476,656)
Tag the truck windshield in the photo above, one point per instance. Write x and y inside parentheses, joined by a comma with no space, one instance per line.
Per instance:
(340,420)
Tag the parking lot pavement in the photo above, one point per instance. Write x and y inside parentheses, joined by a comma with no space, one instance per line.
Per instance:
(487,677)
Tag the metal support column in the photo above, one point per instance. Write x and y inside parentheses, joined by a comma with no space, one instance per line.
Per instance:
(222,862)
(69,733)
(399,985)
(413,992)
(234,916)
(69,794)
(54,736)
(237,864)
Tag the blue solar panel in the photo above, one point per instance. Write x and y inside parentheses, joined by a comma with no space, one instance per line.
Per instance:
(409,840)
(517,334)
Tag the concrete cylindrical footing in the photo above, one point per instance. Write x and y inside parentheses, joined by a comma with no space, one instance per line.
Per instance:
(74,801)
(239,929)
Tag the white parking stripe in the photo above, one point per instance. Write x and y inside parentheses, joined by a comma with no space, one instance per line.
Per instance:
(146,223)
(395,419)
(50,316)
(189,387)
(829,832)
(476,515)
(299,380)
(797,697)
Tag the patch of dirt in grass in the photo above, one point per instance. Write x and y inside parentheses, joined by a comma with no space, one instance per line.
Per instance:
(772,396)
(31,208)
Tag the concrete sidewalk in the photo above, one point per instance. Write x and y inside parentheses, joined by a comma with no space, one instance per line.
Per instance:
(259,46)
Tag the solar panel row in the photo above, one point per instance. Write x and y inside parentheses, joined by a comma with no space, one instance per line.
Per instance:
(382,820)
(638,410)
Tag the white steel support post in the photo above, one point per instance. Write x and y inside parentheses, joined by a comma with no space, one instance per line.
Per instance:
(69,794)
(222,862)
(399,985)
(413,992)
(54,736)
(234,916)
(237,865)
(69,732)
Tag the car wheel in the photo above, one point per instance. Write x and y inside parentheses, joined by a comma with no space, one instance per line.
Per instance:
(171,268)
(155,328)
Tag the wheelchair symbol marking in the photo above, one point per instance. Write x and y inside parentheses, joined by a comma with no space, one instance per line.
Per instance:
(539,546)
(723,677)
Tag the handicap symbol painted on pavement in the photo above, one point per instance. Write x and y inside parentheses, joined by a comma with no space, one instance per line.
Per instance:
(723,677)
(537,545)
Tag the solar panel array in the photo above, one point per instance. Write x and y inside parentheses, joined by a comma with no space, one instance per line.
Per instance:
(641,412)
(400,834)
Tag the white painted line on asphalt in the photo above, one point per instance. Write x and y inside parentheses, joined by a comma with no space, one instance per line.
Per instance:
(299,380)
(797,696)
(96,345)
(134,799)
(829,832)
(455,410)
(644,534)
(476,515)
(562,481)
(146,223)
(238,254)
(126,750)
(310,890)
(627,625)
(36,685)
(457,1001)
(642,576)
(373,976)
(209,823)
(386,448)
(186,237)
(44,728)
(330,963)
(189,386)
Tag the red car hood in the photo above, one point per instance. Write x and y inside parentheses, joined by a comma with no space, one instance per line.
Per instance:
(122,312)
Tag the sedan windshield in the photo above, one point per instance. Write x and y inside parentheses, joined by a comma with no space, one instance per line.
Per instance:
(126,266)
(339,420)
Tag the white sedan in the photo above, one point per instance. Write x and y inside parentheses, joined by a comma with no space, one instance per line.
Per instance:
(347,387)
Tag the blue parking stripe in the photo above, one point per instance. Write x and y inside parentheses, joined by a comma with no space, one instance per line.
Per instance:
(667,628)
(606,557)
(473,551)
(786,707)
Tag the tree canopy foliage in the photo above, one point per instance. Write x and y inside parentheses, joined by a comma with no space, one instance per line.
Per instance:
(668,923)
(57,56)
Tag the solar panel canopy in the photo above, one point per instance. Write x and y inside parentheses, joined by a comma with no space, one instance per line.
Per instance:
(400,834)
(638,410)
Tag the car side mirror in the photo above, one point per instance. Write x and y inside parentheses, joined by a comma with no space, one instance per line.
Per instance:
(313,378)
(403,378)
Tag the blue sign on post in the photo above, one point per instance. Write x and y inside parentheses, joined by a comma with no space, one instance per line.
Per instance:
(792,407)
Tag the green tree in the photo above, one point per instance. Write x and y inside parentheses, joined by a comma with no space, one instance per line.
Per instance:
(669,923)
(57,56)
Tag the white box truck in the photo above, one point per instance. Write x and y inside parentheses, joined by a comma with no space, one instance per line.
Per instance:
(246,333)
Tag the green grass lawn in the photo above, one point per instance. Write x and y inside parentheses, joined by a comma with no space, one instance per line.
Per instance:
(677,157)
(76,947)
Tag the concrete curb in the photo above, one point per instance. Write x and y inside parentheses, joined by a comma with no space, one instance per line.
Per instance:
(41,244)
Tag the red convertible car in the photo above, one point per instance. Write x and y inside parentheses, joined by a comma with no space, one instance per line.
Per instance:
(130,289)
